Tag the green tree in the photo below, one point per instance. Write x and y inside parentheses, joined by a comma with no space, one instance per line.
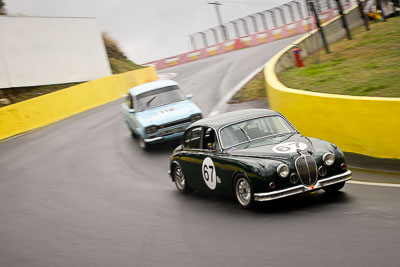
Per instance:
(2,8)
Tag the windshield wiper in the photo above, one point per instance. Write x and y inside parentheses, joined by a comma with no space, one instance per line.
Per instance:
(248,137)
(277,135)
(148,102)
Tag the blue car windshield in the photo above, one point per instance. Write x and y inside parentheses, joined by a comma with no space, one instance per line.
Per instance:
(254,129)
(158,97)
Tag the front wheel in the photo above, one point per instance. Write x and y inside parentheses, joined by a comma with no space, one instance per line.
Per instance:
(243,191)
(143,145)
(133,134)
(334,188)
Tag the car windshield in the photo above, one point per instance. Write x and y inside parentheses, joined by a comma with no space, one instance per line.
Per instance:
(254,129)
(159,97)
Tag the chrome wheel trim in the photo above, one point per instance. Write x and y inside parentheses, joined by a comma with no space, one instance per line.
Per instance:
(243,191)
(179,178)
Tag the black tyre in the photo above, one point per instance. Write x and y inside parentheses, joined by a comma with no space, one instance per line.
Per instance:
(243,191)
(180,181)
(334,188)
(133,134)
(143,145)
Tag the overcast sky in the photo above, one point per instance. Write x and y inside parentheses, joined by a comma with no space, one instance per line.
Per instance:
(146,30)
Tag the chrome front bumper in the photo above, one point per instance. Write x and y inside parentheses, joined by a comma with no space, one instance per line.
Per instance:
(164,138)
(150,140)
(303,188)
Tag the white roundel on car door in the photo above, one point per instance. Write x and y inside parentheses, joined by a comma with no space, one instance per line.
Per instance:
(209,173)
(289,147)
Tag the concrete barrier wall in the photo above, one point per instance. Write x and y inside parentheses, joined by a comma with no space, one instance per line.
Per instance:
(49,108)
(363,125)
(43,50)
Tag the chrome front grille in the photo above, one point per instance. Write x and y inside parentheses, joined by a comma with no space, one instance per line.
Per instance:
(173,127)
(307,170)
(174,130)
(175,123)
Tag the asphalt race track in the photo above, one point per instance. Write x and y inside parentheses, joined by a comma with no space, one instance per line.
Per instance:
(81,192)
(211,79)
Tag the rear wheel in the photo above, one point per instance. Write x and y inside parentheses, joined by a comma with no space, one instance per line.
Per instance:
(334,188)
(243,191)
(180,180)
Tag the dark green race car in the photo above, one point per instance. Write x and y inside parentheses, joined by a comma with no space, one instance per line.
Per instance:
(255,155)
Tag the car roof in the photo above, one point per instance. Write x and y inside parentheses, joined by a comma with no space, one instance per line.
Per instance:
(223,119)
(146,87)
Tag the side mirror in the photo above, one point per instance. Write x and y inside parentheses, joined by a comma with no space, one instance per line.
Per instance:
(189,96)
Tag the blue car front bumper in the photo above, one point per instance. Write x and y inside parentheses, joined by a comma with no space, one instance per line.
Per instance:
(162,139)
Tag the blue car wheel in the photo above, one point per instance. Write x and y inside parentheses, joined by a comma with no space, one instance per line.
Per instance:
(142,144)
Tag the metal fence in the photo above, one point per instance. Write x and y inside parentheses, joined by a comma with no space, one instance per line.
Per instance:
(260,21)
(266,26)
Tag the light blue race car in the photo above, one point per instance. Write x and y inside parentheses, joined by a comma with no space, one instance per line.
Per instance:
(158,111)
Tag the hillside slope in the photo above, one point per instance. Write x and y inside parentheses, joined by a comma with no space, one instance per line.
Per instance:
(118,61)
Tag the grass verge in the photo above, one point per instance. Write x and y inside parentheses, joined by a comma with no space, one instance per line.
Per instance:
(368,65)
(14,95)
(253,90)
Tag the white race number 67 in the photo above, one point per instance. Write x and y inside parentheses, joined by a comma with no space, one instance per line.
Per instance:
(209,173)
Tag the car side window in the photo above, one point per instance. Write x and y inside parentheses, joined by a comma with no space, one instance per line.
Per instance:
(186,139)
(192,138)
(210,139)
(195,138)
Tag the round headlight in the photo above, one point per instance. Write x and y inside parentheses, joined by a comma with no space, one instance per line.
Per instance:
(328,159)
(283,170)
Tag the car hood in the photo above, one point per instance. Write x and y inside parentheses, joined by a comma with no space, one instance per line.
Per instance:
(167,113)
(280,147)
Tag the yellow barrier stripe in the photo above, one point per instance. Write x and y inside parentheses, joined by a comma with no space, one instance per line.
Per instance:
(46,109)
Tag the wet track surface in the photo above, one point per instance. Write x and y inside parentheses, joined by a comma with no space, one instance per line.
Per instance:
(82,193)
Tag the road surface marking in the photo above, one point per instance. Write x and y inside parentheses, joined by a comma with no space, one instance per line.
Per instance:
(215,112)
(236,89)
(374,184)
(167,76)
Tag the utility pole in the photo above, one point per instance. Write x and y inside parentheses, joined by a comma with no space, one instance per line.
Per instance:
(362,14)
(343,18)
(312,7)
(217,4)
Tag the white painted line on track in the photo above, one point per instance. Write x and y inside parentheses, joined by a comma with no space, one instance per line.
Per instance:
(167,76)
(374,184)
(236,89)
(215,112)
